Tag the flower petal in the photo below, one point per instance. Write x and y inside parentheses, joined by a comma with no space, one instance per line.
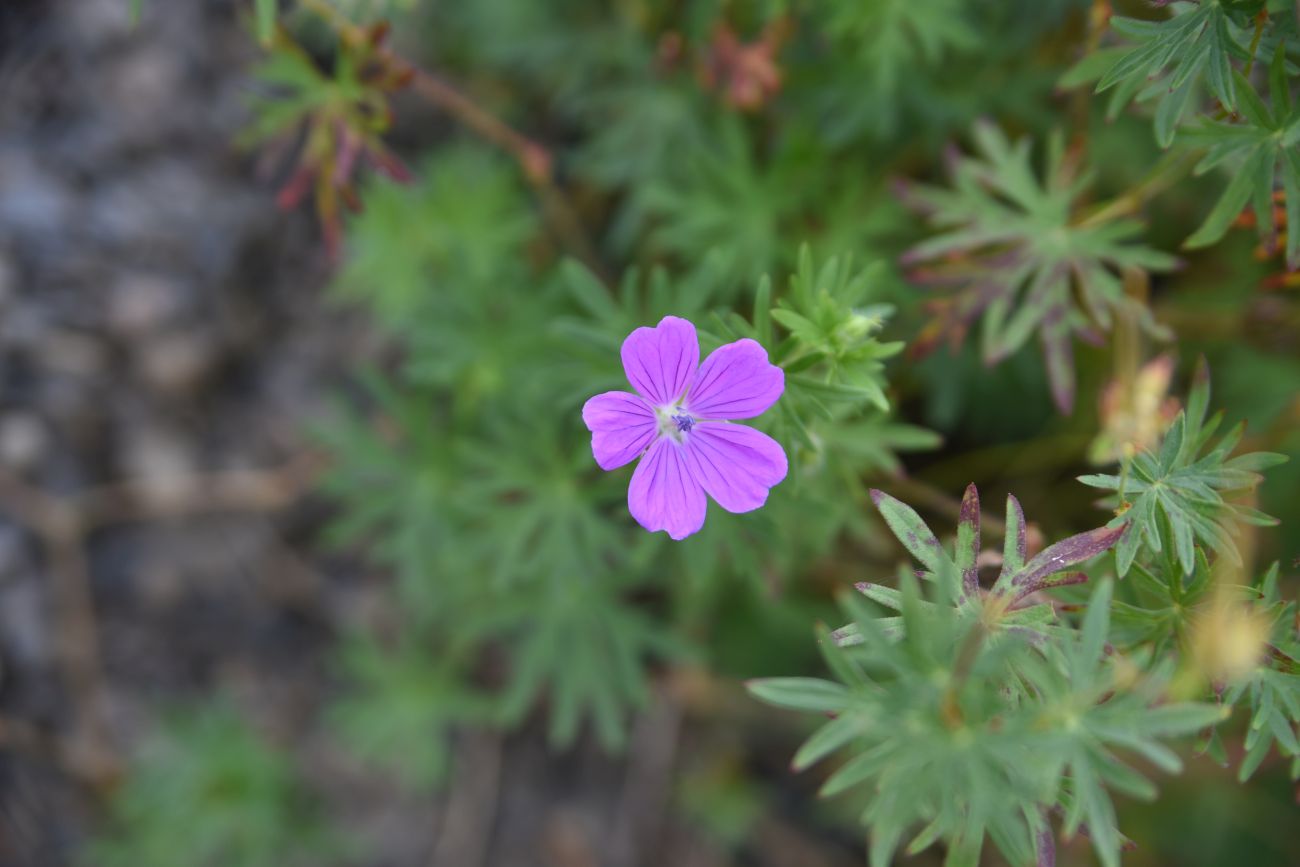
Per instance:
(622,426)
(735,381)
(664,495)
(735,464)
(660,361)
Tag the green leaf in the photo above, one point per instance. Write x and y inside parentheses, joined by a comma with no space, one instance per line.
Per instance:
(1011,252)
(908,528)
(968,539)
(835,734)
(1171,110)
(1171,60)
(1091,67)
(1254,758)
(1096,622)
(1176,491)
(265,11)
(1231,202)
(800,693)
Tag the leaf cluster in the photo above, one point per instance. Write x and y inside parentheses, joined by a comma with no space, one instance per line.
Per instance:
(1174,497)
(972,712)
(209,786)
(1018,254)
(958,737)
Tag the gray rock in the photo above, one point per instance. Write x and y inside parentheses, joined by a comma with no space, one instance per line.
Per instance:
(24,440)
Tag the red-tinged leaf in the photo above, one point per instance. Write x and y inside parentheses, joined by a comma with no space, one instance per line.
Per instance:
(1045,847)
(909,529)
(327,211)
(351,200)
(378,33)
(1059,355)
(1015,547)
(400,78)
(1061,579)
(1066,553)
(348,149)
(968,539)
(293,191)
(389,165)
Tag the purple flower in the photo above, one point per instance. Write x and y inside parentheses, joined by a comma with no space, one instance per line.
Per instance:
(679,422)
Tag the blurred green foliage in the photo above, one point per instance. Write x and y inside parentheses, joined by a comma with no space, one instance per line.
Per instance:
(750,166)
(210,791)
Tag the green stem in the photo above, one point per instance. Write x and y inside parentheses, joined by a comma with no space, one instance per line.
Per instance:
(1260,20)
(1170,169)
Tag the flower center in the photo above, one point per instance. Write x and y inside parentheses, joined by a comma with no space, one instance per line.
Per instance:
(675,422)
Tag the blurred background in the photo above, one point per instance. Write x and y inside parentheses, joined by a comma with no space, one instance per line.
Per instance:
(303,555)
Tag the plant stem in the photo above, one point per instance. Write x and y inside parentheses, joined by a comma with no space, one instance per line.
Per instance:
(533,158)
(1260,20)
(1169,169)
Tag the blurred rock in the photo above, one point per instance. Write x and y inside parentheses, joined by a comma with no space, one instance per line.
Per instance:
(24,327)
(136,86)
(161,460)
(8,282)
(139,303)
(71,403)
(15,555)
(24,440)
(97,21)
(177,362)
(161,203)
(74,354)
(22,624)
(36,206)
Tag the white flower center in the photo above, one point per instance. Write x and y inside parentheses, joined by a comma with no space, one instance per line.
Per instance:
(674,422)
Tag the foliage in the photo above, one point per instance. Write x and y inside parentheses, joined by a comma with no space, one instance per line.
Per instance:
(397,489)
(1259,147)
(722,198)
(979,712)
(340,117)
(890,37)
(420,247)
(1173,56)
(1273,688)
(832,354)
(404,703)
(1174,497)
(974,710)
(963,737)
(1021,258)
(1211,48)
(582,647)
(210,787)
(1021,576)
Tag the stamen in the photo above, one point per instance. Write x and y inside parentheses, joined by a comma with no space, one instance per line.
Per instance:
(684,422)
